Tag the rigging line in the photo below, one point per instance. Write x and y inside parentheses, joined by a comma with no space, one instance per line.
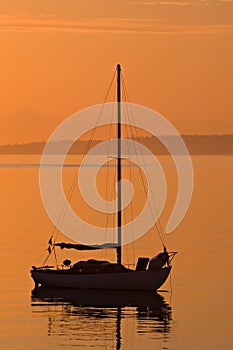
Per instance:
(46,259)
(113,197)
(64,209)
(55,229)
(94,129)
(65,206)
(127,250)
(145,189)
(170,279)
(114,225)
(130,177)
(41,255)
(55,256)
(99,116)
(106,188)
(143,182)
(50,252)
(107,193)
(159,222)
(124,211)
(88,146)
(137,139)
(114,219)
(140,171)
(132,216)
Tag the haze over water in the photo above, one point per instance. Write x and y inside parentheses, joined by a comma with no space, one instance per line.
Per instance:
(58,57)
(196,315)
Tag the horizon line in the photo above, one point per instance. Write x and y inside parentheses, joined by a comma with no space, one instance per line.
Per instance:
(23,143)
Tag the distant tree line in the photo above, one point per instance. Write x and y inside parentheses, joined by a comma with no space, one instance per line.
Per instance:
(196,145)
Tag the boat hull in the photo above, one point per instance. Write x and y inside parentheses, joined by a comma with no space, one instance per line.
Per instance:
(147,280)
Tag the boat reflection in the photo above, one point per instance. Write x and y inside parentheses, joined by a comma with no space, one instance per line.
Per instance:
(100,318)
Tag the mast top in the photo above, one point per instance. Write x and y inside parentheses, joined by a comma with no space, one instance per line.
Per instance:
(118,67)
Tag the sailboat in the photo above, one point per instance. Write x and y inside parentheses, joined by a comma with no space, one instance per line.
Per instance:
(149,274)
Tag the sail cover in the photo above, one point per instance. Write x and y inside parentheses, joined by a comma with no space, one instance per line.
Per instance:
(63,245)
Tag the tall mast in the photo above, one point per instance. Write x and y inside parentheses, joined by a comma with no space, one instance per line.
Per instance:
(119,216)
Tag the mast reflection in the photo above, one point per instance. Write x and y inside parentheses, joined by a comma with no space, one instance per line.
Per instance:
(95,318)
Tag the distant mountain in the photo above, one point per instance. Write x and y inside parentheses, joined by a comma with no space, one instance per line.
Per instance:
(196,144)
(25,123)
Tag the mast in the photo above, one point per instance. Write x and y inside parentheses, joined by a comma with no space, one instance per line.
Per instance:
(119,216)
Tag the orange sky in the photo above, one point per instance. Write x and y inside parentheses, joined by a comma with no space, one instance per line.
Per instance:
(59,56)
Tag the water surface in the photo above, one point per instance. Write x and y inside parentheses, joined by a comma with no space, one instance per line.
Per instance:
(197,314)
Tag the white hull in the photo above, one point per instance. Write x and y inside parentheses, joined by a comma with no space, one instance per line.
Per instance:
(148,280)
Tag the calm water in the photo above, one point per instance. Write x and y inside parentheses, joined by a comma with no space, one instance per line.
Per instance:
(197,314)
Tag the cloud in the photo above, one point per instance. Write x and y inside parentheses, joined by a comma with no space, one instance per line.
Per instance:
(172,3)
(183,3)
(52,24)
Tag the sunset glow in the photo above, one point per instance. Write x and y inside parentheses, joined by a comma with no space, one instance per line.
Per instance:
(59,57)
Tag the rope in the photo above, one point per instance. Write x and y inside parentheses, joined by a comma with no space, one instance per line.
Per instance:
(128,112)
(135,137)
(55,231)
(131,202)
